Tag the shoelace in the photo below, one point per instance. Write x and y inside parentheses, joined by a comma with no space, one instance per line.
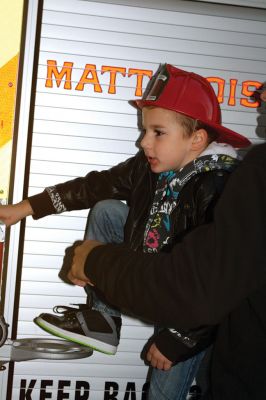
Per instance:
(66,309)
(69,313)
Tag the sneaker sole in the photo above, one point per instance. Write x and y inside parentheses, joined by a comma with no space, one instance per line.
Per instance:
(76,338)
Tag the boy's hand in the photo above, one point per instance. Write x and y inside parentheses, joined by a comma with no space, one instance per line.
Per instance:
(157,359)
(12,213)
(76,274)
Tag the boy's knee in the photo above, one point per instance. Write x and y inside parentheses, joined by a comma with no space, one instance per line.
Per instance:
(107,208)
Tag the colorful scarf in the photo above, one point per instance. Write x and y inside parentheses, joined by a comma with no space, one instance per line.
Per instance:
(169,186)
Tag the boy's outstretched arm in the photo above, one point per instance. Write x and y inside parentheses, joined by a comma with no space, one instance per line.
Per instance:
(208,274)
(13,213)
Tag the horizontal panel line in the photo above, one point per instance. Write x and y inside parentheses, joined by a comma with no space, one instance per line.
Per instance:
(113,112)
(41,174)
(82,150)
(96,363)
(83,123)
(64,215)
(91,377)
(47,295)
(148,62)
(203,14)
(153,49)
(78,361)
(82,109)
(59,282)
(53,229)
(44,241)
(70,162)
(82,95)
(131,114)
(34,267)
(50,174)
(195,27)
(185,40)
(84,137)
(52,93)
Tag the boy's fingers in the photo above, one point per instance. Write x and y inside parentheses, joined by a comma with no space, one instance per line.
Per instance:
(157,359)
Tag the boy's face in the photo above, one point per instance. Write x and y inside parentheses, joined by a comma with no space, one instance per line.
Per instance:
(164,142)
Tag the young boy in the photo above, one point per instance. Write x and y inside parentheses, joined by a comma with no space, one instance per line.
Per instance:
(171,187)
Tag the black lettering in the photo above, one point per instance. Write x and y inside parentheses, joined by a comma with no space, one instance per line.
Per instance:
(111,390)
(130,391)
(25,393)
(43,394)
(145,389)
(61,395)
(85,386)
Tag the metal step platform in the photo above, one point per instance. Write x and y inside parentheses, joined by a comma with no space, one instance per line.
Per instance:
(37,348)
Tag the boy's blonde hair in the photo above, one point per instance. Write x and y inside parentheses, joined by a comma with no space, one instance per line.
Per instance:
(191,125)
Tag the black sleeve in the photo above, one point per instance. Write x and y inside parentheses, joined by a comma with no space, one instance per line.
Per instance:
(209,273)
(179,344)
(85,192)
(181,348)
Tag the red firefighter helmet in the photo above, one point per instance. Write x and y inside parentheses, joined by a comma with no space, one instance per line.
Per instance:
(189,94)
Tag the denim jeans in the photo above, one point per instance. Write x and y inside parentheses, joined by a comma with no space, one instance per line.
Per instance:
(175,383)
(106,224)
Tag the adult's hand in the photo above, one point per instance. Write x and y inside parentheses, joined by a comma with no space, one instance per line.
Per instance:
(76,274)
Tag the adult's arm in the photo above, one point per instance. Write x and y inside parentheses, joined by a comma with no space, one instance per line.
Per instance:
(209,273)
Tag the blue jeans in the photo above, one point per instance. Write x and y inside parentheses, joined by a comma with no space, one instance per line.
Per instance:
(106,224)
(175,383)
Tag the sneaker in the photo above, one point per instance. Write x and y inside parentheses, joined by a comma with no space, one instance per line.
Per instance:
(84,326)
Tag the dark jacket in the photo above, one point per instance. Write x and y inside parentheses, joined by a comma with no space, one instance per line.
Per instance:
(134,182)
(216,275)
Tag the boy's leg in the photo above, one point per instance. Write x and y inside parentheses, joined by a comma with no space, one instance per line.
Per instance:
(106,224)
(175,383)
(97,326)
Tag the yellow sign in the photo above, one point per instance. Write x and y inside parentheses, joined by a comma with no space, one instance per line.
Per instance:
(10,34)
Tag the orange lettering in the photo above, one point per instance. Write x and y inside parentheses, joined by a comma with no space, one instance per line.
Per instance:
(140,74)
(232,94)
(90,75)
(89,69)
(221,85)
(113,71)
(65,71)
(247,92)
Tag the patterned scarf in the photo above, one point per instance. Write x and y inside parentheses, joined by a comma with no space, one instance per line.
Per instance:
(169,186)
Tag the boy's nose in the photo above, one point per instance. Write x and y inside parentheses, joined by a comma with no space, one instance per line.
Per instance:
(145,142)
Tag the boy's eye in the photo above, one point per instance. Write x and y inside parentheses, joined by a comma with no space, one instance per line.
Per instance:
(158,132)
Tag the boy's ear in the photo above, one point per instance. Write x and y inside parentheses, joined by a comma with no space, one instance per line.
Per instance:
(200,139)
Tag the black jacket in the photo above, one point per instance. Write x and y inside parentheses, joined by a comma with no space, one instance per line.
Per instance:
(134,182)
(216,275)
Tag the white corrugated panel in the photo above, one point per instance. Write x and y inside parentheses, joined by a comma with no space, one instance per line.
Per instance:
(247,3)
(78,129)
